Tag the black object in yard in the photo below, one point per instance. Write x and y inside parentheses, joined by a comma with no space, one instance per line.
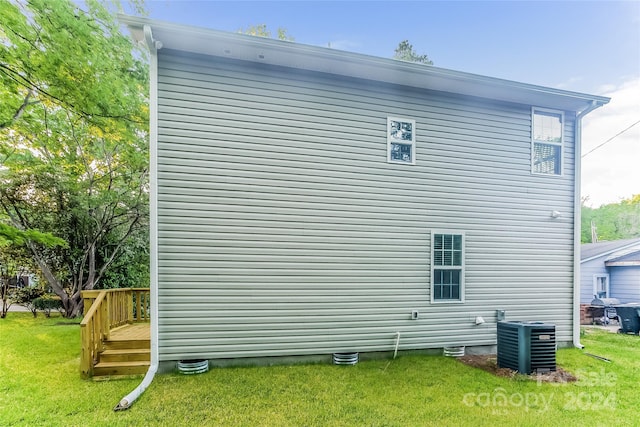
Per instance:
(526,347)
(629,317)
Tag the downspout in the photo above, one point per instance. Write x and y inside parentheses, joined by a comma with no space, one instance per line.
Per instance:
(153,46)
(577,221)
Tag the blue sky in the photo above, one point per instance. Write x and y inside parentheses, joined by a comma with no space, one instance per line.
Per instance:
(591,47)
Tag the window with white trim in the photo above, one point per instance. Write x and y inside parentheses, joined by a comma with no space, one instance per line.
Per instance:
(601,286)
(401,140)
(547,136)
(447,266)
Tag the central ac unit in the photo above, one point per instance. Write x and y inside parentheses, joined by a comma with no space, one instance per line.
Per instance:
(527,347)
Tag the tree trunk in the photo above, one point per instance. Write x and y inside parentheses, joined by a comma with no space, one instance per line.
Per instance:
(75,307)
(4,295)
(5,307)
(72,304)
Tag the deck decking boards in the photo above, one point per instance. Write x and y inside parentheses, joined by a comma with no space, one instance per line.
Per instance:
(127,352)
(134,331)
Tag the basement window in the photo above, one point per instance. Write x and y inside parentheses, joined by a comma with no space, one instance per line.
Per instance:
(447,266)
(547,141)
(401,140)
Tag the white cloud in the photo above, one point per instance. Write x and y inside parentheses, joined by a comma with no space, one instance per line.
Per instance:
(612,172)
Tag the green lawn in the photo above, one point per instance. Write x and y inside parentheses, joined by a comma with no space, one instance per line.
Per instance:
(40,386)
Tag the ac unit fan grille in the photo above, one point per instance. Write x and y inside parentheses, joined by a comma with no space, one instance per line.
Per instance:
(527,347)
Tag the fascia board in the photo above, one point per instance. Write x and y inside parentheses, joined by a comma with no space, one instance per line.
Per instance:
(325,60)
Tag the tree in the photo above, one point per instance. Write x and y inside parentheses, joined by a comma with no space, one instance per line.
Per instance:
(73,138)
(613,221)
(55,52)
(405,52)
(14,259)
(261,30)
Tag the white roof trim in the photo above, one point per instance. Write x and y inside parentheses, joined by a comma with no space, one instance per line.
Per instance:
(623,253)
(622,263)
(312,58)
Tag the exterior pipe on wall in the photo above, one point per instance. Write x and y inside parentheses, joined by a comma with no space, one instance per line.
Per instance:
(153,46)
(395,352)
(577,232)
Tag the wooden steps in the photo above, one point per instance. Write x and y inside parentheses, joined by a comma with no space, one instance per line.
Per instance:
(126,355)
(119,369)
(127,352)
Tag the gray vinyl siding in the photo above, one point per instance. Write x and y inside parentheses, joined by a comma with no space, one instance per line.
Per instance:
(625,283)
(284,231)
(587,271)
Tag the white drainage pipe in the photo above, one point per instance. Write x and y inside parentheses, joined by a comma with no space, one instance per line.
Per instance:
(126,401)
(395,352)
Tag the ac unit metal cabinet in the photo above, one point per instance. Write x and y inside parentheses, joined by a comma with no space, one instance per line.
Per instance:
(527,347)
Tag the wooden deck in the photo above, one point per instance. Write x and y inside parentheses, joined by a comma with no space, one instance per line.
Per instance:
(115,333)
(135,331)
(126,352)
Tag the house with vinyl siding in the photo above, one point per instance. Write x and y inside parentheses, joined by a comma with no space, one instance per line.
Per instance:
(610,270)
(307,201)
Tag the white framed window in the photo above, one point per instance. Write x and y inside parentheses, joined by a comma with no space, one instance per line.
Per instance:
(547,138)
(447,266)
(401,140)
(601,286)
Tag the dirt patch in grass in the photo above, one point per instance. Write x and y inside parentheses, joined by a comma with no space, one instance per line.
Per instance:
(489,363)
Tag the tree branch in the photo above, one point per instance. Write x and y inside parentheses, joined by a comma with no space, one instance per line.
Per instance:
(21,110)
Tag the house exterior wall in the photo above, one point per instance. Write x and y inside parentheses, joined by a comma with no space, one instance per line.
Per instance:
(587,270)
(283,231)
(625,283)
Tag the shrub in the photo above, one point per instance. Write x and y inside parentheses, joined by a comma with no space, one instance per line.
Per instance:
(46,303)
(26,297)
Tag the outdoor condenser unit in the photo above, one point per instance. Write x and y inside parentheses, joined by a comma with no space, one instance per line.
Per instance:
(527,347)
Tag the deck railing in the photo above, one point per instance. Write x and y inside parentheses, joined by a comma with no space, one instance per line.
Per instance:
(105,310)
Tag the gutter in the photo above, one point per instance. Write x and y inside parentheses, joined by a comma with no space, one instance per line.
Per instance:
(153,46)
(243,47)
(577,218)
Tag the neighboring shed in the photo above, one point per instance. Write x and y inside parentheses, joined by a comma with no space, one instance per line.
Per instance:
(611,270)
(307,201)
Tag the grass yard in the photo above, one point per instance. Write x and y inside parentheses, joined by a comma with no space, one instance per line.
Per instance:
(40,386)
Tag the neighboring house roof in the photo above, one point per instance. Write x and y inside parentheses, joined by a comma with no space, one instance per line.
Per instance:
(613,249)
(325,60)
(627,258)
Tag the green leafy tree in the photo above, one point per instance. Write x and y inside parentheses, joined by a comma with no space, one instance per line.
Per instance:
(57,53)
(613,221)
(261,30)
(405,52)
(73,138)
(14,258)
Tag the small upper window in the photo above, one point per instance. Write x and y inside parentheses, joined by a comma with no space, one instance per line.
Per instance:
(401,140)
(547,139)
